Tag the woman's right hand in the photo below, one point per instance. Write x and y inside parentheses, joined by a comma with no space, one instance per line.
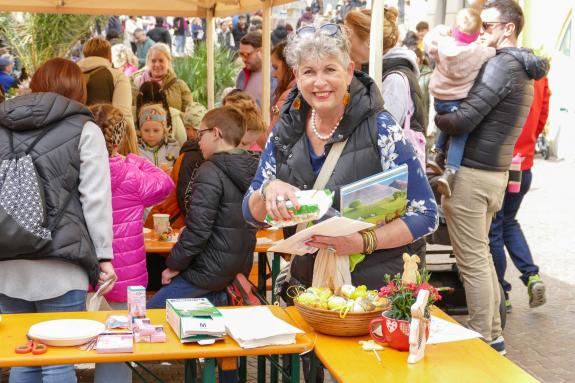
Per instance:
(277,193)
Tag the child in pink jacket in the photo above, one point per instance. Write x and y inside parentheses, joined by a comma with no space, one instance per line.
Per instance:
(458,59)
(136,184)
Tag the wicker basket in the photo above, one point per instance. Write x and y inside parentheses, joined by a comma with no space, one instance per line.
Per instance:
(329,322)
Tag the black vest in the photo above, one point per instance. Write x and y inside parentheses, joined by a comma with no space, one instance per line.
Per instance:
(419,119)
(359,159)
(57,161)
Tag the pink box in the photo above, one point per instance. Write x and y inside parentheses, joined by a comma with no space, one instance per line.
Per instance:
(115,343)
(159,336)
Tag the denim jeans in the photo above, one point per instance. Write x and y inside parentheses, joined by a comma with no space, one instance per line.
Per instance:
(74,300)
(180,288)
(457,145)
(505,232)
(180,44)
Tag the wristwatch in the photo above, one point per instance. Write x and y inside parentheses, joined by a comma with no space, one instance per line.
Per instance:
(264,187)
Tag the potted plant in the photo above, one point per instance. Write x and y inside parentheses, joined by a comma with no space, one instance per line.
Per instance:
(401,295)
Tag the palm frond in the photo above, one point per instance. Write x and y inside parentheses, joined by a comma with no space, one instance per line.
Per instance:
(194,71)
(39,37)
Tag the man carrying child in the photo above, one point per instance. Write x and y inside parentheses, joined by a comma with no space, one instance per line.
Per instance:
(493,114)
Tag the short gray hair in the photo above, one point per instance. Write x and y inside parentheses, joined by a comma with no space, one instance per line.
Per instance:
(318,45)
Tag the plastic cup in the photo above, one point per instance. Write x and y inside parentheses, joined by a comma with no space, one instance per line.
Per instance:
(161,223)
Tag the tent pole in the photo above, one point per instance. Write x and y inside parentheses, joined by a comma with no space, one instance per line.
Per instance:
(376,42)
(210,26)
(266,53)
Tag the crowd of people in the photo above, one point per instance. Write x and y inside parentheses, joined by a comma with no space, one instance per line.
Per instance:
(117,137)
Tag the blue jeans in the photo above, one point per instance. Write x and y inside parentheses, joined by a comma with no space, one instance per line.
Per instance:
(180,44)
(505,232)
(74,300)
(180,288)
(457,145)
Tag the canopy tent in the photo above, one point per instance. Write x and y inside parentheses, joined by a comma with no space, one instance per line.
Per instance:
(199,8)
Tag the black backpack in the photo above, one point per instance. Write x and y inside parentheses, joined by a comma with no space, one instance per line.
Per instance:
(99,86)
(23,218)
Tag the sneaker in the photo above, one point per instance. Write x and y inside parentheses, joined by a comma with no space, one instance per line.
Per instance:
(508,307)
(445,182)
(536,291)
(499,345)
(436,161)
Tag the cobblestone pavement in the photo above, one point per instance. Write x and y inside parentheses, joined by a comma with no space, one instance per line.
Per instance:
(540,340)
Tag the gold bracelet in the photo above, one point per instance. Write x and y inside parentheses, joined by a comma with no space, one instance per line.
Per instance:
(372,242)
(366,242)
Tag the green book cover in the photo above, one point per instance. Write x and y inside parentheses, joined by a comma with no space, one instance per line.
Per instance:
(194,307)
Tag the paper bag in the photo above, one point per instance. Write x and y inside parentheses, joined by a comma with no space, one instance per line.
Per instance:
(330,270)
(95,301)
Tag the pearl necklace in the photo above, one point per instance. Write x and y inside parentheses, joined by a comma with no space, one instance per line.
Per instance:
(318,134)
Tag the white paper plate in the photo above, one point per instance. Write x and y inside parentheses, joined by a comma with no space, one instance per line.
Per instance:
(146,230)
(66,332)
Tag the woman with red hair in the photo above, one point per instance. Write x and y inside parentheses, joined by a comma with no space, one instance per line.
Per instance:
(71,161)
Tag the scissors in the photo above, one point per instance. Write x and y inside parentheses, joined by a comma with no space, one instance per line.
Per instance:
(34,347)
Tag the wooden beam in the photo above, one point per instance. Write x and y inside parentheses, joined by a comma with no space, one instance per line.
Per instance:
(266,53)
(376,42)
(210,44)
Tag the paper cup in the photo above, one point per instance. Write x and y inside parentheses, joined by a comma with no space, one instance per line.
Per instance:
(161,223)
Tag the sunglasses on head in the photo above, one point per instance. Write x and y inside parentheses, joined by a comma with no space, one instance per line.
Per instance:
(329,29)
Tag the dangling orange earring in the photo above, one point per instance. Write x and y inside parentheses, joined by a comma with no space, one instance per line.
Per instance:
(296,103)
(346,99)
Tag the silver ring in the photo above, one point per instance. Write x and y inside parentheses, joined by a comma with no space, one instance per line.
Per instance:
(280,198)
(331,249)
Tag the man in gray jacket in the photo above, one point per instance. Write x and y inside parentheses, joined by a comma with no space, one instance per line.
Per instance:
(143,45)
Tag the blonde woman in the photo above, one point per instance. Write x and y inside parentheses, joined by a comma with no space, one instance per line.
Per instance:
(159,69)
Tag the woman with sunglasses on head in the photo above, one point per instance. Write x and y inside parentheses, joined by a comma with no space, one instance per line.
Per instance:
(333,103)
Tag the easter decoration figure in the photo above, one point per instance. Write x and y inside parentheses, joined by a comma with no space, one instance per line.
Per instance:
(418,327)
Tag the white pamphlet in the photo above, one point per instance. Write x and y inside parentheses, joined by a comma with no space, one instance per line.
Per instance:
(442,331)
(333,227)
(258,327)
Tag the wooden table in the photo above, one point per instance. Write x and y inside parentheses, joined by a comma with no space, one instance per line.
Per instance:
(14,327)
(465,361)
(265,238)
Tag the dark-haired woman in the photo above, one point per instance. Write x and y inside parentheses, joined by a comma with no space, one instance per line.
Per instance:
(285,83)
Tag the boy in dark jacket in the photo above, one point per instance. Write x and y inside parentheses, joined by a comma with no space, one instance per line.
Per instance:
(216,243)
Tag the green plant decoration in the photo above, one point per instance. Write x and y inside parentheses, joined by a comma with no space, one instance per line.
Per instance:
(37,37)
(194,71)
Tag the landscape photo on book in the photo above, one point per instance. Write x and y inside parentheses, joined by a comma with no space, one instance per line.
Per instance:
(378,199)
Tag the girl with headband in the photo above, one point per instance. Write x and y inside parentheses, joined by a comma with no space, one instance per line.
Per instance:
(155,142)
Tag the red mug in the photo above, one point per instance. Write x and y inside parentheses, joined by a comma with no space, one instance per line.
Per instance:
(395,332)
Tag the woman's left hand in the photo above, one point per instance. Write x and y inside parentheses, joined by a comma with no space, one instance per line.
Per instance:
(344,245)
